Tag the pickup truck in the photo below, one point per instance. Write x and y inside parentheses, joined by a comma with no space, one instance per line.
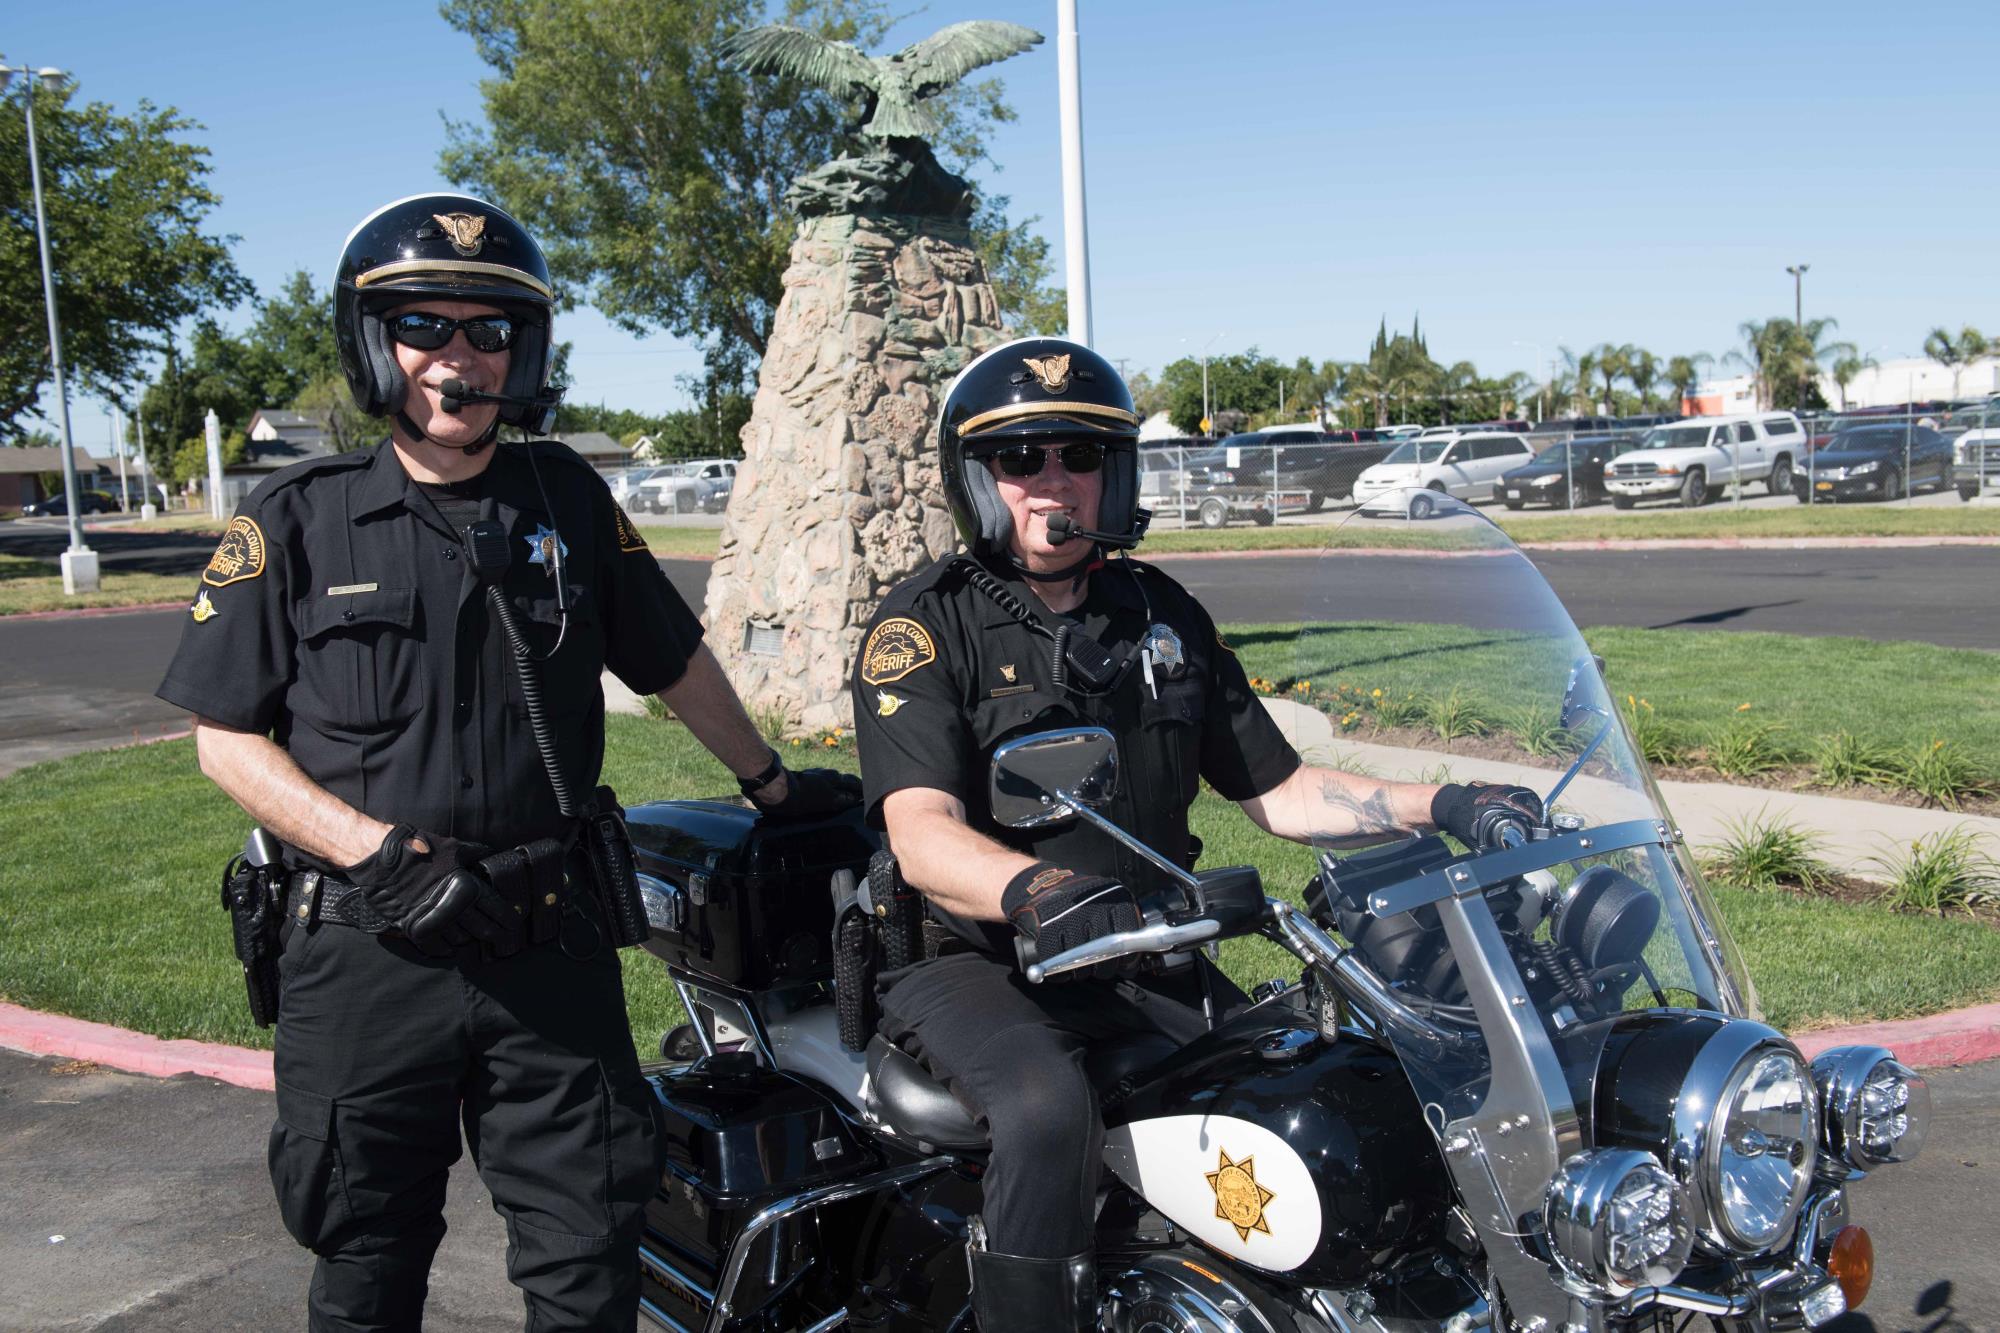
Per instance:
(1691,461)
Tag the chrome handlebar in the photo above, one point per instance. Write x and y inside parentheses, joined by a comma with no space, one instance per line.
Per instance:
(1157,938)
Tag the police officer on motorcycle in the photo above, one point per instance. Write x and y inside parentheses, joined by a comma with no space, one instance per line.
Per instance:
(393,659)
(1043,624)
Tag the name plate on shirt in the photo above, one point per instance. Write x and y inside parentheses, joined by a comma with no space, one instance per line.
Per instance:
(347,589)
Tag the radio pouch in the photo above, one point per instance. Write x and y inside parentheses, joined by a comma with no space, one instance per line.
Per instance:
(615,869)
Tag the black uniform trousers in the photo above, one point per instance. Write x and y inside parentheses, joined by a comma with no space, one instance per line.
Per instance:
(384,1054)
(1014,1053)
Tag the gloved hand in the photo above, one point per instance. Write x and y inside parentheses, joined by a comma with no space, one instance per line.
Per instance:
(434,898)
(812,793)
(1474,812)
(1059,909)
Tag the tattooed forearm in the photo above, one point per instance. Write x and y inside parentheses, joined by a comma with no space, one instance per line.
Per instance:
(1358,816)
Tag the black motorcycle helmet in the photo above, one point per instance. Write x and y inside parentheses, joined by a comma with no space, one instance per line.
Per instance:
(1035,390)
(451,246)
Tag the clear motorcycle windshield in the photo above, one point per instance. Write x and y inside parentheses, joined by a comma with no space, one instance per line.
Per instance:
(1427,648)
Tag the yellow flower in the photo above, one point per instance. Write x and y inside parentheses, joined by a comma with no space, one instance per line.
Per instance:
(1743,708)
(1937,745)
(1378,693)
(795,740)
(1630,702)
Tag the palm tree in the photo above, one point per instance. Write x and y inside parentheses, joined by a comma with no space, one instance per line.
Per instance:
(1846,370)
(1684,373)
(1954,353)
(1759,353)
(1643,369)
(1611,364)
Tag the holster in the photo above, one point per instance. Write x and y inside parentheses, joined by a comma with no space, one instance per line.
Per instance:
(529,879)
(254,898)
(614,870)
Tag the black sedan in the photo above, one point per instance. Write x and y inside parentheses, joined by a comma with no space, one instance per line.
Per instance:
(1883,462)
(89,502)
(1546,480)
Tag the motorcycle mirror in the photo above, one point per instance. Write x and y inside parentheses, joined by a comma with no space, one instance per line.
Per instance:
(1575,705)
(1035,778)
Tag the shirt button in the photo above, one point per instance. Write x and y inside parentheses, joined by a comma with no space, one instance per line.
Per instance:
(450,553)
(347,615)
(465,781)
(465,705)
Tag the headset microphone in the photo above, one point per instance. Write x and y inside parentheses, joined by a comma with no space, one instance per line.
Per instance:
(1062,527)
(453,395)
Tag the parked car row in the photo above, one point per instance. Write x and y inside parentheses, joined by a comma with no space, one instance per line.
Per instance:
(698,486)
(1687,462)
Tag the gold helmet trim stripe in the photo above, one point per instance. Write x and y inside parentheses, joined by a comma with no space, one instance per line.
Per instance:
(407,266)
(1014,410)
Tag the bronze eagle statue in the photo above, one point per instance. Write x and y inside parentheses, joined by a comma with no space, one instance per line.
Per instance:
(895,87)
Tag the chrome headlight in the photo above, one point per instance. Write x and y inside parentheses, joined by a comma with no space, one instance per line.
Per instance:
(1616,1220)
(1862,469)
(1757,1159)
(1876,1110)
(1551,480)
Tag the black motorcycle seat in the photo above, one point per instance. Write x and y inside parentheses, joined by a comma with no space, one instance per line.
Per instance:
(903,1095)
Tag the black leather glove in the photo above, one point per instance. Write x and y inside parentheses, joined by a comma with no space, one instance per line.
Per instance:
(1059,909)
(812,793)
(435,898)
(1474,812)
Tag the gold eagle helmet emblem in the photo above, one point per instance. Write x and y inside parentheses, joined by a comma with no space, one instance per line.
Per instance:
(466,230)
(1051,372)
(1239,1199)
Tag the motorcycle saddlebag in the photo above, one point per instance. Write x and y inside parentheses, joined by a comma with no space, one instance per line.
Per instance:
(739,901)
(739,1138)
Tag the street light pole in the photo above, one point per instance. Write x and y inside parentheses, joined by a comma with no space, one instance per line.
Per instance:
(1798,272)
(79,562)
(1076,238)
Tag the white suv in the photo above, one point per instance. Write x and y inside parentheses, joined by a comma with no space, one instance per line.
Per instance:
(1693,460)
(1466,465)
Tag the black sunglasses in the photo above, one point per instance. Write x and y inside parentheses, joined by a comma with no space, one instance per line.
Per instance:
(427,332)
(1027,460)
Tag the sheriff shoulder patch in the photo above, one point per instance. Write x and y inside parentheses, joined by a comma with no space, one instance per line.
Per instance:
(895,648)
(239,556)
(628,536)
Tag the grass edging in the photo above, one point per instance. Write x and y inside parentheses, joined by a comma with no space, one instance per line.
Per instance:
(140,942)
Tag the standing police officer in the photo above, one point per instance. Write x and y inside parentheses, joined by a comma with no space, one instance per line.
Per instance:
(1037,629)
(357,692)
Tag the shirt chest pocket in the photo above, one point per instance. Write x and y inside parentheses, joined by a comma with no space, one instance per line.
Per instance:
(361,660)
(1173,725)
(996,720)
(568,652)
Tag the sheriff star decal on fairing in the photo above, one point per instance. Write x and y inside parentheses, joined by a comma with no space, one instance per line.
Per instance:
(1239,1199)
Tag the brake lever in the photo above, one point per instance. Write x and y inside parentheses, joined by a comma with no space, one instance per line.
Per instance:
(1161,937)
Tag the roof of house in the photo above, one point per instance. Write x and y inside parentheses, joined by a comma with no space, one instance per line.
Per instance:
(283,419)
(595,444)
(44,458)
(270,455)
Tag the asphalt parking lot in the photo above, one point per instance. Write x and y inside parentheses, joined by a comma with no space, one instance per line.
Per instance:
(139,1203)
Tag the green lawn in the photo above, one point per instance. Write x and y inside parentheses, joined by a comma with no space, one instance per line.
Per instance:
(36,585)
(1895,693)
(114,858)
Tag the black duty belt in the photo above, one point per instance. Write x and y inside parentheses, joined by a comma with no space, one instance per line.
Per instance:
(532,879)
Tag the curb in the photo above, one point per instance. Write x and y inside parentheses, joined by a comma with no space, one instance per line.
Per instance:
(134,1052)
(1961,1037)
(83,611)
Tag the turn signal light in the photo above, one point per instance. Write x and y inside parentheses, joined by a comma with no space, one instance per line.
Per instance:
(1852,1264)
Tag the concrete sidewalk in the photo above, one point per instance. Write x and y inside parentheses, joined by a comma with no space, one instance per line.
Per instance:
(1850,832)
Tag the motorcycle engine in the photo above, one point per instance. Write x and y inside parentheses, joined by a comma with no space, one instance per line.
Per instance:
(1178,1292)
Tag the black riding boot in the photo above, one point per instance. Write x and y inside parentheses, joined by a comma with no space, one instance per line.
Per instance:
(1012,1294)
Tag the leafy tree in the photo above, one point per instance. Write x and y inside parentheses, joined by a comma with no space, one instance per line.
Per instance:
(126,197)
(1147,396)
(1683,373)
(656,176)
(1846,370)
(1643,369)
(1017,264)
(1955,353)
(292,339)
(329,399)
(189,459)
(221,372)
(1240,382)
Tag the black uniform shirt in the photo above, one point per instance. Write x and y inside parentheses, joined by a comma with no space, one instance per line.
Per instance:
(946,674)
(341,615)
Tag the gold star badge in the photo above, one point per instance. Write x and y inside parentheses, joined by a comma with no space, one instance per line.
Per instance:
(886,703)
(1239,1199)
(203,609)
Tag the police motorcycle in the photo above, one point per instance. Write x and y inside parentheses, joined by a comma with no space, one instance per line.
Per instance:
(1521,1085)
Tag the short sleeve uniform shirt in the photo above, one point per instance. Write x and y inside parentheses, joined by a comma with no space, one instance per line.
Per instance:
(947,673)
(341,616)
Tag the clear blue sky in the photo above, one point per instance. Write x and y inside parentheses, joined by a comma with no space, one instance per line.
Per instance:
(1283,174)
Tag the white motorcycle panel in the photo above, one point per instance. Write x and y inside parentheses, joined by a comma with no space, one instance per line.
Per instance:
(1235,1185)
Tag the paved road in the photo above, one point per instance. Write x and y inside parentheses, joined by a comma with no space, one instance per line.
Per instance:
(158,1191)
(77,683)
